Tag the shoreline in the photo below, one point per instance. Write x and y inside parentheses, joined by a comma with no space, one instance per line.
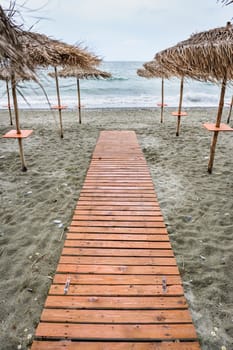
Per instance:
(153,108)
(197,209)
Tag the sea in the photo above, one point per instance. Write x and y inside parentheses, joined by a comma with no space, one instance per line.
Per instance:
(125,89)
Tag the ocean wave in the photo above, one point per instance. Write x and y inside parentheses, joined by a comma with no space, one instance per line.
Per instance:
(117,79)
(124,89)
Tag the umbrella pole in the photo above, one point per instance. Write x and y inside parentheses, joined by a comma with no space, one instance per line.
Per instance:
(180,106)
(15,102)
(79,102)
(9,102)
(218,121)
(230,109)
(59,102)
(162,102)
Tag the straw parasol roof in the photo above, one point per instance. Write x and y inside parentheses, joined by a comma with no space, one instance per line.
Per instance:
(157,70)
(45,51)
(10,46)
(144,73)
(205,56)
(82,73)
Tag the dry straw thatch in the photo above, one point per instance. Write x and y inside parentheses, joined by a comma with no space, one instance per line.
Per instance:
(44,51)
(83,73)
(205,56)
(10,47)
(157,70)
(144,73)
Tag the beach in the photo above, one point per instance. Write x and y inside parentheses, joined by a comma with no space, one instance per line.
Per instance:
(37,207)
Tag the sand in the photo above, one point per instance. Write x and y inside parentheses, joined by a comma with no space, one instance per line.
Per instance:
(37,206)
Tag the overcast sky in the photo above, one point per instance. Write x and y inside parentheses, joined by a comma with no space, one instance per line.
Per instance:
(125,29)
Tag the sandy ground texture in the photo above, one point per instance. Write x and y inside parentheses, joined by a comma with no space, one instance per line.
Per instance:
(37,206)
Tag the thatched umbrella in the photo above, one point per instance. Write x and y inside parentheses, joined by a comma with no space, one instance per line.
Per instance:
(45,51)
(9,73)
(161,72)
(82,73)
(205,56)
(156,71)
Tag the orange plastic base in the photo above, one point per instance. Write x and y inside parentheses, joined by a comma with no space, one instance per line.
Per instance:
(12,134)
(212,127)
(59,107)
(161,104)
(181,114)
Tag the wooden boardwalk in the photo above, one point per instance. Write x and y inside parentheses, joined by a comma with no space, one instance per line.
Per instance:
(117,285)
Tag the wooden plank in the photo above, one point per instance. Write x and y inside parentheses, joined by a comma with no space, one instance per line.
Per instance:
(128,187)
(120,192)
(117,269)
(117,244)
(116,316)
(117,223)
(113,196)
(120,180)
(114,218)
(117,290)
(95,211)
(116,332)
(125,230)
(68,345)
(91,195)
(131,203)
(117,252)
(117,237)
(123,208)
(116,279)
(112,260)
(112,176)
